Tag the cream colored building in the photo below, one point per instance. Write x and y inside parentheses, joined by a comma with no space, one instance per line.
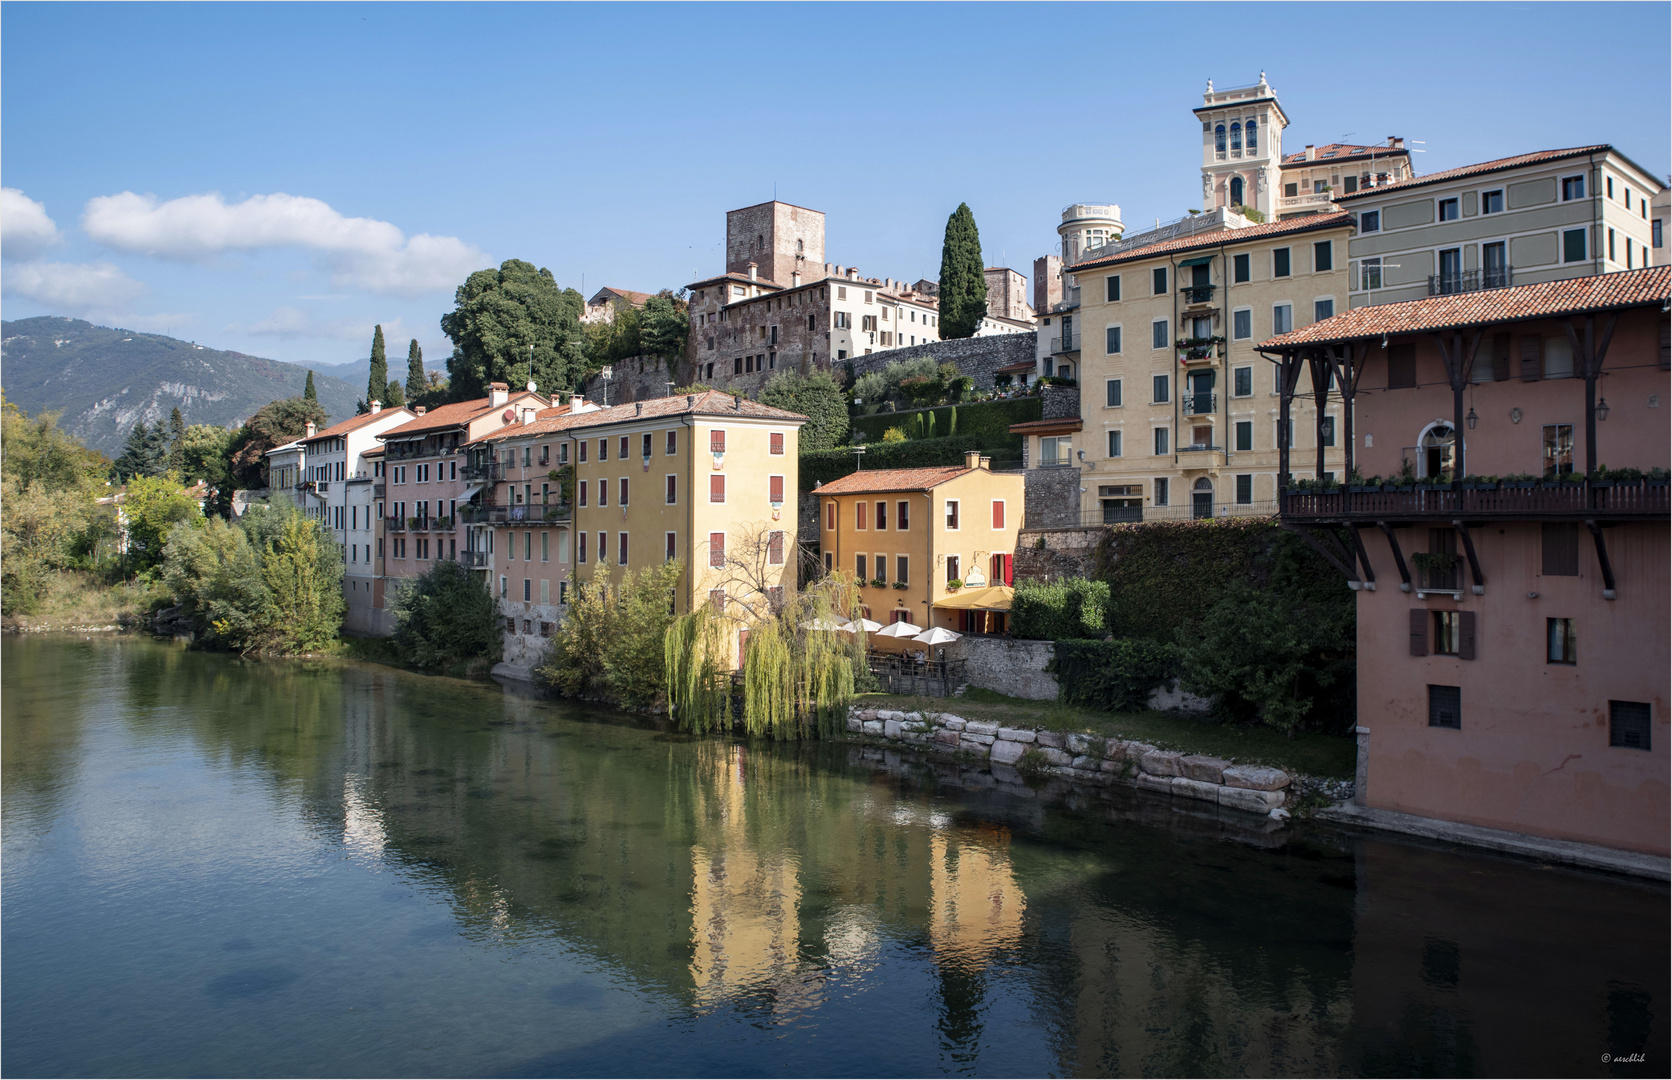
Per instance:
(1179,414)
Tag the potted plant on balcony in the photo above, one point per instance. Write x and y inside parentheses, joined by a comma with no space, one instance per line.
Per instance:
(954,585)
(412,523)
(1434,563)
(1357,483)
(879,583)
(444,522)
(1520,480)
(1626,477)
(1480,483)
(902,586)
(1406,479)
(1657,477)
(1564,480)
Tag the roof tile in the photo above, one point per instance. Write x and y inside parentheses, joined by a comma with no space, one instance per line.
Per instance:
(1535,158)
(873,481)
(1217,237)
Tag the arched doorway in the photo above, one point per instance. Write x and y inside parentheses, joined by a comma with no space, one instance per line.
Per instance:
(1201,498)
(1436,450)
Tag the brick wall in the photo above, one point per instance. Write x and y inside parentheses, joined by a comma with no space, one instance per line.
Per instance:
(975,357)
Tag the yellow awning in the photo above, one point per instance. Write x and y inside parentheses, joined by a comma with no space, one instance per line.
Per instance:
(992,598)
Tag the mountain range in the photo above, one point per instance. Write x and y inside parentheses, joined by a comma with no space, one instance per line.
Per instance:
(104,380)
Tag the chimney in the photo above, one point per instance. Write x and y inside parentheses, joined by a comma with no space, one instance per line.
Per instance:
(795,280)
(377,407)
(418,409)
(853,273)
(311,429)
(638,408)
(972,459)
(1311,151)
(498,394)
(987,464)
(737,402)
(690,401)
(528,416)
(752,270)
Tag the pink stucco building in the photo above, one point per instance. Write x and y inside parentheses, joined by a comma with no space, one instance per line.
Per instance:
(1512,596)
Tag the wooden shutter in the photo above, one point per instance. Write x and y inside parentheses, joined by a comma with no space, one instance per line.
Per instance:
(717,489)
(1419,631)
(1465,635)
(1561,549)
(1500,357)
(716,549)
(998,514)
(1532,357)
(775,489)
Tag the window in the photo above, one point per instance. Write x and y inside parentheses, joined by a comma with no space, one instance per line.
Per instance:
(717,600)
(775,490)
(717,441)
(717,489)
(1370,221)
(775,443)
(1323,309)
(671,496)
(672,446)
(603,492)
(1159,491)
(1236,135)
(1492,202)
(1114,444)
(1158,281)
(882,517)
(1573,187)
(580,547)
(1158,334)
(1447,631)
(1111,394)
(716,549)
(1558,449)
(998,513)
(1611,247)
(1291,190)
(902,516)
(1239,268)
(580,491)
(1245,488)
(1561,549)
(829,562)
(1252,129)
(952,566)
(1242,382)
(603,449)
(861,515)
(1655,235)
(1445,707)
(1111,289)
(563,453)
(952,515)
(1561,646)
(1160,440)
(830,516)
(1245,435)
(1282,318)
(583,446)
(1628,724)
(1111,340)
(1370,274)
(859,565)
(528,547)
(1449,210)
(1323,257)
(622,500)
(901,566)
(1219,138)
(1242,324)
(1280,262)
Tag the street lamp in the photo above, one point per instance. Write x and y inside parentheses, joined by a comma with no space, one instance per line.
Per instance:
(1602,408)
(1471,419)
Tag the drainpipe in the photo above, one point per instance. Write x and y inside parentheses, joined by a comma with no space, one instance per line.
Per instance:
(1594,178)
(1174,376)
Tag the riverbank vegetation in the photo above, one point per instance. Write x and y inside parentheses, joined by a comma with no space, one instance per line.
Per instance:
(610,644)
(446,620)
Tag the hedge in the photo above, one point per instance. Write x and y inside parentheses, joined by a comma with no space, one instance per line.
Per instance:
(827,465)
(1054,610)
(982,423)
(1115,676)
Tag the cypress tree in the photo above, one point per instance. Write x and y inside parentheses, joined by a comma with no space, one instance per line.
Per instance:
(176,441)
(377,383)
(963,285)
(392,397)
(308,392)
(414,371)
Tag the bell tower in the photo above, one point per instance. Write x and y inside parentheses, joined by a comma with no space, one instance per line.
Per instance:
(1242,147)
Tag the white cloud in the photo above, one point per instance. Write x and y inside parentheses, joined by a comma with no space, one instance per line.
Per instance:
(360,253)
(72,287)
(25,230)
(292,323)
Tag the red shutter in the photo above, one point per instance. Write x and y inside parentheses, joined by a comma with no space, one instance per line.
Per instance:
(1466,635)
(583,493)
(717,489)
(623,500)
(1419,631)
(775,489)
(902,515)
(998,514)
(673,489)
(830,516)
(717,442)
(860,515)
(882,516)
(717,549)
(775,547)
(777,442)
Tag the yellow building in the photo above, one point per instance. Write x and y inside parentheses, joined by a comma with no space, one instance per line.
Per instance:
(1179,412)
(918,537)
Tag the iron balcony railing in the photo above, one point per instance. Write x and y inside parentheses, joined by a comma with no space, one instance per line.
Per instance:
(377,490)
(1182,511)
(1618,499)
(1200,404)
(1465,281)
(1197,294)
(394,524)
(481,470)
(504,515)
(1064,343)
(475,559)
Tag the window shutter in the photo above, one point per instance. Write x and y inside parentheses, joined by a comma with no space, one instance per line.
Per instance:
(1419,631)
(1532,357)
(1500,357)
(1465,635)
(1561,549)
(1665,346)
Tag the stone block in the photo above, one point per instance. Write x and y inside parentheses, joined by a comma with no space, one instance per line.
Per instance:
(980,750)
(1160,763)
(1021,735)
(980,728)
(893,729)
(1255,802)
(946,719)
(1112,766)
(976,737)
(911,718)
(1086,761)
(866,714)
(1209,770)
(1049,738)
(952,723)
(873,727)
(1256,778)
(1196,789)
(1162,784)
(1003,773)
(1057,757)
(1008,752)
(1077,744)
(1135,751)
(947,738)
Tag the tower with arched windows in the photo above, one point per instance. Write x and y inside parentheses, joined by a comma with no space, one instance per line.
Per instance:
(1242,147)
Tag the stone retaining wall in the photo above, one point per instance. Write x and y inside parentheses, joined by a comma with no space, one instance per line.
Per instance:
(1010,666)
(976,357)
(1256,789)
(1045,554)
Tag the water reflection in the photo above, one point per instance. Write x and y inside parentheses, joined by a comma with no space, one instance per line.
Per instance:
(681,905)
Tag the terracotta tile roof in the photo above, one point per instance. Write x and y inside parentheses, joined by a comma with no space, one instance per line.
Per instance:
(1219,236)
(637,299)
(712,403)
(1549,299)
(455,414)
(1011,369)
(1334,152)
(1536,158)
(354,423)
(875,481)
(729,276)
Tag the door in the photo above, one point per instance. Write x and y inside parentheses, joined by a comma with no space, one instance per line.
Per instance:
(1199,275)
(1451,270)
(1199,400)
(1494,266)
(1201,499)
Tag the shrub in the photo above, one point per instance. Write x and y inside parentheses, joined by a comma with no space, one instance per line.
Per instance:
(828,465)
(894,434)
(1115,676)
(446,617)
(982,423)
(815,396)
(610,644)
(1057,610)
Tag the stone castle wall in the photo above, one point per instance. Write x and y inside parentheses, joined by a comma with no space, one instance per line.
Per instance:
(976,357)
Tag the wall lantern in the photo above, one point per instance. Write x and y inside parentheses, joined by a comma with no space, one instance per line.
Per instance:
(1471,419)
(1602,408)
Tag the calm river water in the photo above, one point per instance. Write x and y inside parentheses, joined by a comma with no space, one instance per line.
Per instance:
(215,867)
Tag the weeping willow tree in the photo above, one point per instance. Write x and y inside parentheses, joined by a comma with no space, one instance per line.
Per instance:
(697,690)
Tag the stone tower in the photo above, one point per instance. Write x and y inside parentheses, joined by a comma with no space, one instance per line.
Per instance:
(1242,147)
(780,239)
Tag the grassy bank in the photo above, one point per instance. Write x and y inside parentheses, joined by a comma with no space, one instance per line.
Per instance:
(81,600)
(1316,755)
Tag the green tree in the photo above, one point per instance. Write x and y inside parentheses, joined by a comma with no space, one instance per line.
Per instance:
(512,324)
(215,575)
(446,617)
(308,391)
(145,453)
(176,439)
(414,371)
(205,454)
(153,506)
(611,643)
(393,396)
(963,283)
(303,571)
(50,520)
(274,424)
(816,397)
(665,325)
(379,377)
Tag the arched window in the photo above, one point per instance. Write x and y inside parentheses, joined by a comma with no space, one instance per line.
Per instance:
(1236,135)
(1436,448)
(1236,191)
(1219,138)
(800,246)
(1253,137)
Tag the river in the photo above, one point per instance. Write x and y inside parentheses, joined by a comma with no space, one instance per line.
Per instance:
(225,867)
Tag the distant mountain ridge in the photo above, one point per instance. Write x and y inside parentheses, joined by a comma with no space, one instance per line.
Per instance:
(104,380)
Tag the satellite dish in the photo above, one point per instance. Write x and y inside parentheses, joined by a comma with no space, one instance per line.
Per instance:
(508,415)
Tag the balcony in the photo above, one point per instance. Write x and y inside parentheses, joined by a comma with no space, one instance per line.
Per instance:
(476,560)
(1197,294)
(1200,404)
(1314,201)
(545,513)
(1467,281)
(1195,350)
(394,524)
(1640,500)
(1063,344)
(481,470)
(1199,447)
(377,490)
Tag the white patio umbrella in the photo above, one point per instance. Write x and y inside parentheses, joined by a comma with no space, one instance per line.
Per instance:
(900,630)
(937,635)
(823,624)
(868,626)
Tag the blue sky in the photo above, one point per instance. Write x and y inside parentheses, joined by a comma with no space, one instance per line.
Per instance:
(278,178)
